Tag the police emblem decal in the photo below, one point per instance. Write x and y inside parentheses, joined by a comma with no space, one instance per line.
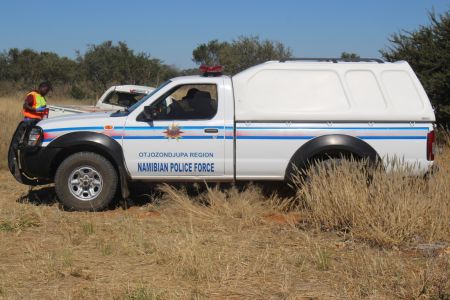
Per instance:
(173,132)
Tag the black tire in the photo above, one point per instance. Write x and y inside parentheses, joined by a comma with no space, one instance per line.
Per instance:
(300,176)
(100,168)
(324,166)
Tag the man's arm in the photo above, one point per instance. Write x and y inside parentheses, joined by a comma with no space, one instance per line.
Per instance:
(28,104)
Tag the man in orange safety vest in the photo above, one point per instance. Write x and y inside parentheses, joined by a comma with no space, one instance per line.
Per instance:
(35,105)
(34,110)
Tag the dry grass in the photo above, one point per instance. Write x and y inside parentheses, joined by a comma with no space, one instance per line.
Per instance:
(390,210)
(343,239)
(235,243)
(11,114)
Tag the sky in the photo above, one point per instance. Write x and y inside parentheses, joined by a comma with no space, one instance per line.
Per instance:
(170,30)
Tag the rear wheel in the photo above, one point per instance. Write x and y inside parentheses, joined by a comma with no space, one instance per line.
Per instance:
(324,163)
(326,166)
(86,181)
(323,167)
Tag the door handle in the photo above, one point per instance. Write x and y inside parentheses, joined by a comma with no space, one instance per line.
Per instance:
(211,130)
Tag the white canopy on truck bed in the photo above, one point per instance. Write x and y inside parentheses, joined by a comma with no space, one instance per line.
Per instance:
(327,91)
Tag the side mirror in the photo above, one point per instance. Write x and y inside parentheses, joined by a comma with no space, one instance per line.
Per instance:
(150,113)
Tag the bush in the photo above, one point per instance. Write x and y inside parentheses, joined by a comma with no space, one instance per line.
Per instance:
(240,54)
(77,92)
(427,49)
(390,209)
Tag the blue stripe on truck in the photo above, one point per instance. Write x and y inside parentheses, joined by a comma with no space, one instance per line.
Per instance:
(210,137)
(311,137)
(332,128)
(250,137)
(133,128)
(231,128)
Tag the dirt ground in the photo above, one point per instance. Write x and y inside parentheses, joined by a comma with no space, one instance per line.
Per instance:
(233,244)
(169,247)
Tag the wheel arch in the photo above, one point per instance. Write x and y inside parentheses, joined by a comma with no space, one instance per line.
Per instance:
(332,145)
(95,142)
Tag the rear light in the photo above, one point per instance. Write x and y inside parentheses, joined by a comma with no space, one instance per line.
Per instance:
(211,70)
(430,145)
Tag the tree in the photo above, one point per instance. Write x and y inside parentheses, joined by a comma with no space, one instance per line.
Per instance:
(28,67)
(427,49)
(3,66)
(240,54)
(210,53)
(89,75)
(108,64)
(349,56)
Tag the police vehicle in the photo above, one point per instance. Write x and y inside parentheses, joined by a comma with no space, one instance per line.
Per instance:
(260,124)
(114,98)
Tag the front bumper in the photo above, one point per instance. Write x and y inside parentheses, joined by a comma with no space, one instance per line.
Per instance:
(33,165)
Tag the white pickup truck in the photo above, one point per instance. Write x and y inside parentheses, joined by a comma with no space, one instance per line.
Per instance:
(116,97)
(261,124)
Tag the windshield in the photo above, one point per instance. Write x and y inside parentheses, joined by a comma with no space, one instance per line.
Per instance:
(137,104)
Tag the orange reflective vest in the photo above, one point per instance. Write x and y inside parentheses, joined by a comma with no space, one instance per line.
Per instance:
(38,101)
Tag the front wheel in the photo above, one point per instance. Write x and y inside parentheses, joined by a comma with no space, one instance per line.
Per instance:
(86,181)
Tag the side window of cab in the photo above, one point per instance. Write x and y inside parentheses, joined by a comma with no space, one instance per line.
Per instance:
(187,102)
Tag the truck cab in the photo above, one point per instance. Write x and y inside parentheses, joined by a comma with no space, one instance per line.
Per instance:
(184,131)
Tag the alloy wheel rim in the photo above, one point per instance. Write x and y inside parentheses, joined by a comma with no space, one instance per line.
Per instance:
(85,183)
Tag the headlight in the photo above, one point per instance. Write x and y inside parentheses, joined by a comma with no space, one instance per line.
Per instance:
(35,136)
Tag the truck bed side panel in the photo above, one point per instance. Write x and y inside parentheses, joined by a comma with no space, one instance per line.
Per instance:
(264,150)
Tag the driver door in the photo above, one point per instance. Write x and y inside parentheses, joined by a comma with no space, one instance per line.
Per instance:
(186,137)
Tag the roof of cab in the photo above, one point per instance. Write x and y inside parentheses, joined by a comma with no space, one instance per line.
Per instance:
(198,78)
